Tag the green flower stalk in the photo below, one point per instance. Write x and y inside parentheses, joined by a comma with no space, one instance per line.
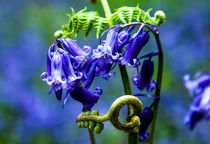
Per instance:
(79,69)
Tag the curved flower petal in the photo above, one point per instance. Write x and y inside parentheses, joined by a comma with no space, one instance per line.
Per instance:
(44,76)
(87,49)
(143,40)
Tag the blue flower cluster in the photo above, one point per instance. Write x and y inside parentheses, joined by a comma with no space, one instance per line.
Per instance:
(200,108)
(70,67)
(65,71)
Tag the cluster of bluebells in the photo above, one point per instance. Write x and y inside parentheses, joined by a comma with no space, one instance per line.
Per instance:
(65,71)
(70,67)
(199,88)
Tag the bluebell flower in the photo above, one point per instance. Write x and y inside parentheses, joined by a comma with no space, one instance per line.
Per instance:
(103,68)
(107,54)
(103,58)
(197,86)
(98,91)
(87,98)
(200,108)
(60,73)
(90,74)
(144,79)
(145,120)
(108,48)
(133,49)
(68,69)
(123,38)
(95,67)
(55,78)
(79,54)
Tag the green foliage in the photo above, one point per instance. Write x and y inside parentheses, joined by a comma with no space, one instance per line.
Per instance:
(99,26)
(82,20)
(88,20)
(126,15)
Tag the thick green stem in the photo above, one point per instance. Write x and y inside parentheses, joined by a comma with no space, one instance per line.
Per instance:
(92,138)
(91,134)
(125,80)
(132,137)
(107,12)
(158,88)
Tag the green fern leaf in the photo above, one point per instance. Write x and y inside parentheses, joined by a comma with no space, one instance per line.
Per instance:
(138,13)
(74,21)
(77,27)
(87,26)
(148,17)
(119,17)
(88,19)
(129,14)
(99,26)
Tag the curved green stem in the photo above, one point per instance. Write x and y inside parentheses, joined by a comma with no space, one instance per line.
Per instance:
(132,137)
(92,137)
(158,88)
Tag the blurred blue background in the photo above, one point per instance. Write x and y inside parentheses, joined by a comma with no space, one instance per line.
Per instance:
(29,115)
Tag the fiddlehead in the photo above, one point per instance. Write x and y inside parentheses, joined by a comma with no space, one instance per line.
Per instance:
(92,120)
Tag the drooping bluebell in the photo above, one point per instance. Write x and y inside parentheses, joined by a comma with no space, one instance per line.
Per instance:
(54,77)
(123,38)
(79,54)
(144,79)
(85,96)
(133,49)
(200,107)
(60,73)
(146,119)
(108,48)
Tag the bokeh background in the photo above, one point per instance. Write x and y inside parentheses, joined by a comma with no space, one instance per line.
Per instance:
(28,115)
